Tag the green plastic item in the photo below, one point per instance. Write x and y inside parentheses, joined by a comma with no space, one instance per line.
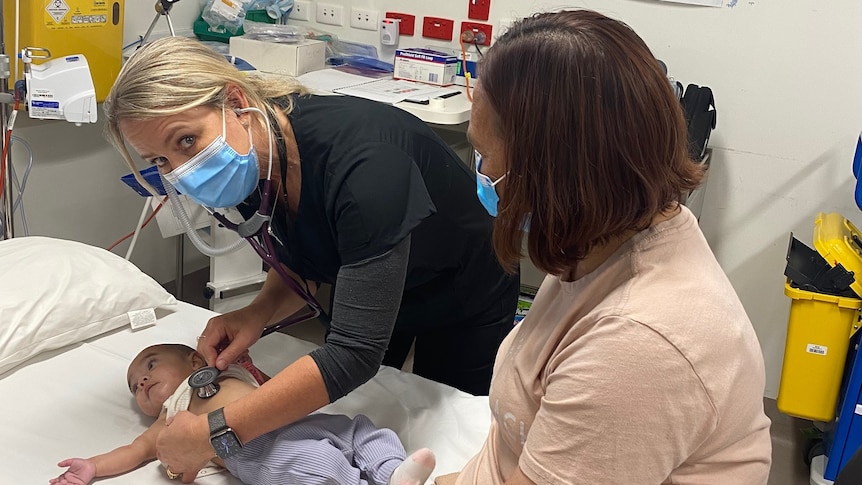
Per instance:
(259,16)
(202,29)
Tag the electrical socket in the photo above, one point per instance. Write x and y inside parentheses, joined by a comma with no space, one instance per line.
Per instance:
(474,28)
(330,14)
(408,22)
(301,10)
(479,9)
(437,28)
(361,18)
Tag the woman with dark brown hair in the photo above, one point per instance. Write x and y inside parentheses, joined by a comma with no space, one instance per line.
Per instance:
(637,363)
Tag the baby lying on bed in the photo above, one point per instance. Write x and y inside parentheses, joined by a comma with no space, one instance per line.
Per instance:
(320,448)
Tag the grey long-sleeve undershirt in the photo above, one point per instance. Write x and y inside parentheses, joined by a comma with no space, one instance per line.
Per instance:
(365,305)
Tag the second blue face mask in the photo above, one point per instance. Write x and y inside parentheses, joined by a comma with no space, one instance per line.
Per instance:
(218,176)
(485,188)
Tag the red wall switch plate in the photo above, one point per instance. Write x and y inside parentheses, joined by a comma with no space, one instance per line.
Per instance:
(478,9)
(408,22)
(476,27)
(437,28)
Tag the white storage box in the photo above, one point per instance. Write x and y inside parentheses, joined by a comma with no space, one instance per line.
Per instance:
(291,59)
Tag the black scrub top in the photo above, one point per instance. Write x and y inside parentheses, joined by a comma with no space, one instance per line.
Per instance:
(371,175)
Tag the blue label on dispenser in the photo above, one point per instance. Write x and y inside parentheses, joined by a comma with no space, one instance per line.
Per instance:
(45,104)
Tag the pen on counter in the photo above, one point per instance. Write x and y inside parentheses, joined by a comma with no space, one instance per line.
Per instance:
(425,101)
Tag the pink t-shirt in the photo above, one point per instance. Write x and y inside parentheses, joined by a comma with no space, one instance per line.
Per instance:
(645,371)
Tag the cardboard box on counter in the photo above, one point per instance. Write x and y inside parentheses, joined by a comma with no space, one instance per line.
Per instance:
(425,65)
(280,58)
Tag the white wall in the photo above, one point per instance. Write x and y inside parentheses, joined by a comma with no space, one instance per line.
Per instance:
(786,76)
(140,14)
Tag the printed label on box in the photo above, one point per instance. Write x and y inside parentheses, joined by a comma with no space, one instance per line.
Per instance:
(817,349)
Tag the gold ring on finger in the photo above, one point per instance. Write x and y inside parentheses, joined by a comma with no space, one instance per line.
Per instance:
(172,475)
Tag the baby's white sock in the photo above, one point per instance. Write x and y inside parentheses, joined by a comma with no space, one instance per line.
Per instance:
(415,469)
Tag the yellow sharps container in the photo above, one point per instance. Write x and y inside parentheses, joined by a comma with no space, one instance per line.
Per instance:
(818,336)
(93,28)
(820,326)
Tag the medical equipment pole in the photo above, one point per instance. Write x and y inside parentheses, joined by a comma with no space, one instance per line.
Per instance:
(163,7)
(8,196)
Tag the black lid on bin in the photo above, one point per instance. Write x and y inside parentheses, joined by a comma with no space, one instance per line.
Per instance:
(809,271)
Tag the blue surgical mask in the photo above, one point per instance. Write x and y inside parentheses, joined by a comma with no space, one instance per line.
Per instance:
(485,188)
(218,176)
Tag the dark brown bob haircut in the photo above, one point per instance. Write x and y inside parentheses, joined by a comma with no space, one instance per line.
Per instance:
(595,139)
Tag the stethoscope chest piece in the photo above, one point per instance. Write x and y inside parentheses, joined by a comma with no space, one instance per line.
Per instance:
(203,380)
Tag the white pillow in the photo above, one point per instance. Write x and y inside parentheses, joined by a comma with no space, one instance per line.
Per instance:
(55,293)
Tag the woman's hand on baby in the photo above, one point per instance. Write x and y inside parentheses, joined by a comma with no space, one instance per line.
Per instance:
(80,472)
(183,446)
(227,336)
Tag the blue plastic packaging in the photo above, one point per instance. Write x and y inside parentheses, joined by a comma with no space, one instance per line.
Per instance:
(857,168)
(151,175)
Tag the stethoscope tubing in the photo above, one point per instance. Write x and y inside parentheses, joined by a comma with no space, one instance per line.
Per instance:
(266,252)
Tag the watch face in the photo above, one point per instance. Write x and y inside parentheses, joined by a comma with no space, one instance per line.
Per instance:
(226,444)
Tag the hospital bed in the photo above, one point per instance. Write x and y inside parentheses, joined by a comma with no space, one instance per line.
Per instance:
(63,391)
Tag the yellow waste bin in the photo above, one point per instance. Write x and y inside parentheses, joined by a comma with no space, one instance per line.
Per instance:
(821,320)
(818,337)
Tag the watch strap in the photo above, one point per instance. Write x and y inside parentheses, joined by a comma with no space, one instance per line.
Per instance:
(216,421)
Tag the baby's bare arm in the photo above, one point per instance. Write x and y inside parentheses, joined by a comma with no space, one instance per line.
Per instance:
(127,458)
(80,471)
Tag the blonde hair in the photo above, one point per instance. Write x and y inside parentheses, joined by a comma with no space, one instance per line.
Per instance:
(174,74)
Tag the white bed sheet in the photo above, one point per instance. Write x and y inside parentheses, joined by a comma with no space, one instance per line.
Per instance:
(73,402)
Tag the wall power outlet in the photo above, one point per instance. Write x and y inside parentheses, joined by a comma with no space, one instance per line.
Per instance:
(302,10)
(330,14)
(362,18)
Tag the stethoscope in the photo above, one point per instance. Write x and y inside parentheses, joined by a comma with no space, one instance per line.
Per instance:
(258,227)
(204,380)
(257,231)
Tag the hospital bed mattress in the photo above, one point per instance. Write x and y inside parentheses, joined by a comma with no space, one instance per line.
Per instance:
(73,402)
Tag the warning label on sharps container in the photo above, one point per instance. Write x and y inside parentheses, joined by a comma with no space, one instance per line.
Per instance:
(57,9)
(61,16)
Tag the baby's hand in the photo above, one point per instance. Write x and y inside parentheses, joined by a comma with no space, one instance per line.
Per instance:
(80,472)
